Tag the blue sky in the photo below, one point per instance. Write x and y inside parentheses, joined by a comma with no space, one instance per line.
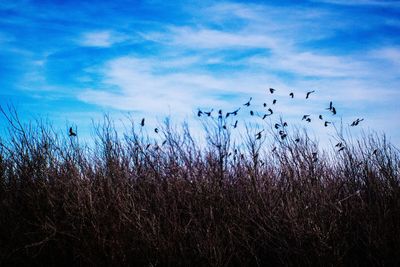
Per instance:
(73,61)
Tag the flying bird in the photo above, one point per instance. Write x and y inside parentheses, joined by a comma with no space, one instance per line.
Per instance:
(251,112)
(274,102)
(305,117)
(199,113)
(71,132)
(258,135)
(340,144)
(297,140)
(234,113)
(248,102)
(272,90)
(285,124)
(320,117)
(265,104)
(334,110)
(270,111)
(208,113)
(326,123)
(291,95)
(356,122)
(309,93)
(343,147)
(330,106)
(142,122)
(308,120)
(235,125)
(156,130)
(277,125)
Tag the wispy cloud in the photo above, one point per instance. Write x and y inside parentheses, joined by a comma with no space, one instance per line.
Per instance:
(217,55)
(101,39)
(378,3)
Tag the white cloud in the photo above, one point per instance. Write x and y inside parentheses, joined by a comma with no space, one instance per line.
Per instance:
(179,79)
(379,3)
(100,39)
(312,64)
(389,54)
(205,38)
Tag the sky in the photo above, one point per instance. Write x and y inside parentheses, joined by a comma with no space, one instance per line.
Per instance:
(74,61)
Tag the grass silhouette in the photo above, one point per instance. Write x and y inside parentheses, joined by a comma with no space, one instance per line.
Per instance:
(129,200)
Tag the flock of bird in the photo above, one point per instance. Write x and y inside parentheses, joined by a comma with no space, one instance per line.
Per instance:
(278,126)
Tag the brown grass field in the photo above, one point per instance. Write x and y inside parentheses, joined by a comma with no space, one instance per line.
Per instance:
(126,201)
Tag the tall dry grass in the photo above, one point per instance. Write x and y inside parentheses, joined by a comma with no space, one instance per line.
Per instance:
(126,201)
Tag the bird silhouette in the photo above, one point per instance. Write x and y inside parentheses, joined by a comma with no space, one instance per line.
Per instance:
(270,111)
(341,148)
(251,112)
(326,123)
(234,113)
(281,132)
(71,132)
(320,117)
(220,113)
(274,102)
(156,130)
(330,106)
(308,94)
(308,120)
(199,113)
(265,104)
(208,113)
(334,110)
(305,117)
(375,152)
(258,135)
(285,124)
(248,102)
(277,125)
(235,125)
(356,122)
(297,140)
(283,136)
(340,144)
(142,122)
(291,95)
(272,90)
